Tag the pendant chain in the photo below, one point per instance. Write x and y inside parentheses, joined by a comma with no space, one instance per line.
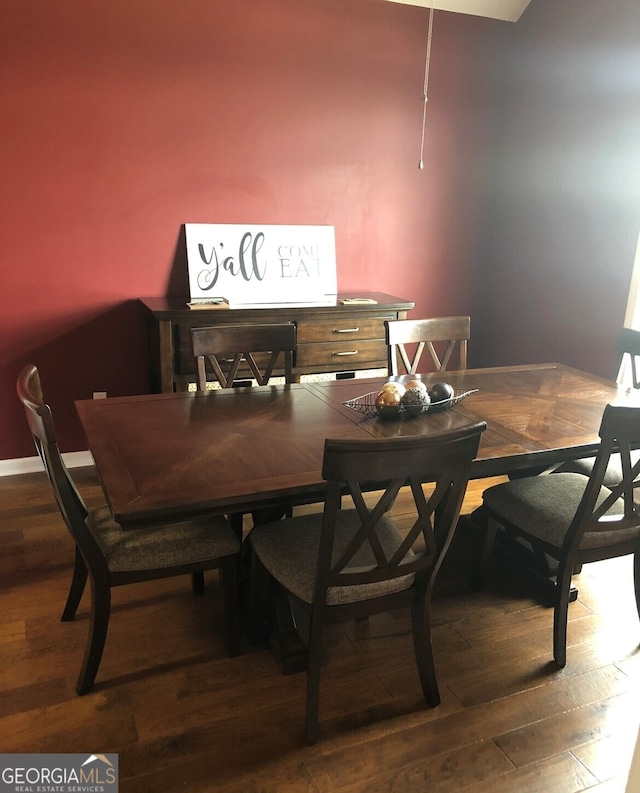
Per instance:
(426,83)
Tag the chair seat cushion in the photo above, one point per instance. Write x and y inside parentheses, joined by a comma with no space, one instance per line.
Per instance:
(584,466)
(161,546)
(289,551)
(544,506)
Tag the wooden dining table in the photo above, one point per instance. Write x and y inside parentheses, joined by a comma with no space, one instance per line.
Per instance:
(171,456)
(177,455)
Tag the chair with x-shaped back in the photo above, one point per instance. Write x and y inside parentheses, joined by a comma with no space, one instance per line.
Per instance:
(110,556)
(235,354)
(628,368)
(243,351)
(439,336)
(572,519)
(348,563)
(627,371)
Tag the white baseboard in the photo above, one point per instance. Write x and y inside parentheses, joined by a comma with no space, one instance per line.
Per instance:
(30,465)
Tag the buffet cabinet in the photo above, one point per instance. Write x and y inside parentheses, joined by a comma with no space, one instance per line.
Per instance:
(340,338)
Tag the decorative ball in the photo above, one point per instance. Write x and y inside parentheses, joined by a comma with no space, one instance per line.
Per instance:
(393,386)
(388,400)
(440,392)
(415,401)
(415,384)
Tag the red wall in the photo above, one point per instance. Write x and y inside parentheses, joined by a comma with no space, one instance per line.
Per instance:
(122,120)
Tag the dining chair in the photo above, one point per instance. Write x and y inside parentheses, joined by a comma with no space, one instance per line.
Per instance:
(350,562)
(572,519)
(227,347)
(627,369)
(426,334)
(628,344)
(111,556)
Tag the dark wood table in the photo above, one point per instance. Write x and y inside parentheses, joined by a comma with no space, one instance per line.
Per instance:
(537,415)
(171,455)
(179,454)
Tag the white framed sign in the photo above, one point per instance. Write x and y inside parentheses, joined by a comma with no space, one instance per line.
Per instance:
(261,265)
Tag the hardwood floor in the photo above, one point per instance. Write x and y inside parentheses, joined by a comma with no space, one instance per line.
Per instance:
(182,716)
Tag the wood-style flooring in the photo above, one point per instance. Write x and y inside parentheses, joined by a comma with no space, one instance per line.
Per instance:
(184,717)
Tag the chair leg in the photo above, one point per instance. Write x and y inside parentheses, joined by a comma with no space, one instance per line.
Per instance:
(636,578)
(421,629)
(100,611)
(78,581)
(313,681)
(561,612)
(229,585)
(479,574)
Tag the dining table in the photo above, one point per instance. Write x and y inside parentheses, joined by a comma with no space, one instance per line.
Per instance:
(175,455)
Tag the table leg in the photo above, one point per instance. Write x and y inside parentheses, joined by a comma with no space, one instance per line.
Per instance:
(269,616)
(284,638)
(539,571)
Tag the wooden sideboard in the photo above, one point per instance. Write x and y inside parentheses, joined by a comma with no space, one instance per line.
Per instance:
(336,338)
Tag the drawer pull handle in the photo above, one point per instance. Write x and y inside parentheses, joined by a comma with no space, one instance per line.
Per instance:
(345,330)
(350,352)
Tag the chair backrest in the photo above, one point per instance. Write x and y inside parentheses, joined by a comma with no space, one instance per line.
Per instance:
(628,344)
(444,333)
(350,466)
(69,500)
(226,347)
(611,512)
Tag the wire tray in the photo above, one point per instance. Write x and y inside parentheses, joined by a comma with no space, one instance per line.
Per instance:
(366,404)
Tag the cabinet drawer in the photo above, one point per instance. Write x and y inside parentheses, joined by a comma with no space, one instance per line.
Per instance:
(340,355)
(342,329)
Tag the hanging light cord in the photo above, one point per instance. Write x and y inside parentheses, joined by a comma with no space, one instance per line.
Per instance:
(426,83)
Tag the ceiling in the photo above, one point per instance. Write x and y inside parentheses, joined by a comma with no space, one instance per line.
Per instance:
(508,10)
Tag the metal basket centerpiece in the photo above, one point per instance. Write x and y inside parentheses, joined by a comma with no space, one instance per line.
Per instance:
(366,404)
